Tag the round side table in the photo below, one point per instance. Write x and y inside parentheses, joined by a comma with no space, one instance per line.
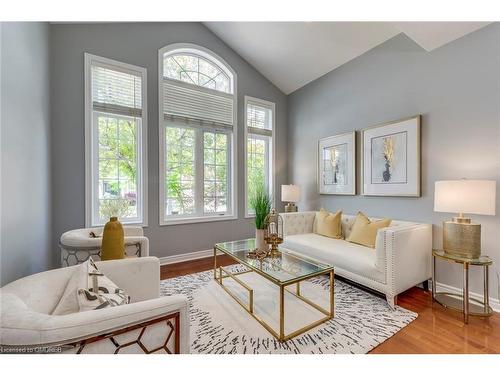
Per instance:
(460,302)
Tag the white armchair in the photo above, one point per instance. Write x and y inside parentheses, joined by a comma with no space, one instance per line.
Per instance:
(78,245)
(150,323)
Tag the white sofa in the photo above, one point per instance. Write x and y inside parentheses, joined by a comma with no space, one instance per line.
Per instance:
(27,324)
(401,258)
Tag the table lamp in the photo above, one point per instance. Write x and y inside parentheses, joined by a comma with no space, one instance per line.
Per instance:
(291,195)
(461,236)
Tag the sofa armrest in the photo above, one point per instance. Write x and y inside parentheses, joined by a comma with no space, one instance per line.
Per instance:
(408,252)
(21,326)
(138,277)
(143,241)
(298,222)
(133,231)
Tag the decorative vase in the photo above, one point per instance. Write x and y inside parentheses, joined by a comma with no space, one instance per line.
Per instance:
(260,241)
(113,241)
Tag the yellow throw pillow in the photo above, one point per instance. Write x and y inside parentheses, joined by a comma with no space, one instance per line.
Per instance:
(364,231)
(328,224)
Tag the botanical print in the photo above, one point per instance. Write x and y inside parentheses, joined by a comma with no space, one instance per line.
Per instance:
(335,165)
(389,159)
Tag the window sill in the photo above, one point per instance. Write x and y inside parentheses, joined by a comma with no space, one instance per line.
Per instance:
(194,220)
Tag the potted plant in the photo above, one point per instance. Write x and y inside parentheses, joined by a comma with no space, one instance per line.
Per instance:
(260,202)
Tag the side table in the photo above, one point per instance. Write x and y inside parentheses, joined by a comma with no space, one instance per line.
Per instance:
(460,302)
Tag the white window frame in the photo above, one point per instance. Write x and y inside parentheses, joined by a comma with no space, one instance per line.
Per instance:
(272,177)
(233,152)
(91,140)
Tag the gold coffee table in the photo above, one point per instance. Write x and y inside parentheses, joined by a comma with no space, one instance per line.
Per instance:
(283,270)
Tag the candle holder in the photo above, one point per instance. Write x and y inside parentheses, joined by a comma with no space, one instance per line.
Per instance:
(274,232)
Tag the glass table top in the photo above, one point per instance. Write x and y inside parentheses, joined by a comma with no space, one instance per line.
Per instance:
(483,260)
(287,267)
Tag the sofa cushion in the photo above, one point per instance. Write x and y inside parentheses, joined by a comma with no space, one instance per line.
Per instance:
(364,231)
(337,252)
(328,224)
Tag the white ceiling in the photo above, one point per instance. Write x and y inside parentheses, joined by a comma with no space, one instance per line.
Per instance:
(292,54)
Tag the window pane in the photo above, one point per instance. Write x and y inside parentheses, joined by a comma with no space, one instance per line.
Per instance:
(216,170)
(258,117)
(180,170)
(197,71)
(257,173)
(117,166)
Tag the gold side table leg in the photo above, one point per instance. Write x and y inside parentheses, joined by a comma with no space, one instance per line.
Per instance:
(215,263)
(298,288)
(466,293)
(433,277)
(486,299)
(282,313)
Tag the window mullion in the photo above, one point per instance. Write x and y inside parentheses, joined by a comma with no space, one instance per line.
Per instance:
(199,172)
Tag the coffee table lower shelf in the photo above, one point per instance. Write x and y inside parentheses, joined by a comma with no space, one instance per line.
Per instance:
(220,273)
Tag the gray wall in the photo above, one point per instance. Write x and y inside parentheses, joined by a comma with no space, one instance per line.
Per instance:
(457,90)
(25,165)
(138,44)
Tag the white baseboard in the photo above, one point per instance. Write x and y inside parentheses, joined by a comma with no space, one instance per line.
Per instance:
(186,257)
(494,302)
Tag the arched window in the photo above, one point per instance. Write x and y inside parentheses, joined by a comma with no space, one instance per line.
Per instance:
(197,103)
(196,70)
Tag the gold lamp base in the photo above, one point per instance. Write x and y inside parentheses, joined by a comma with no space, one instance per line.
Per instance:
(462,237)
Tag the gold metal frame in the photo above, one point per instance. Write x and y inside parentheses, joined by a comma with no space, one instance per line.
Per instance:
(281,336)
(174,332)
(419,157)
(461,302)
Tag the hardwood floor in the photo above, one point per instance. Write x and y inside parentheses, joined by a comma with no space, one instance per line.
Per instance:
(436,330)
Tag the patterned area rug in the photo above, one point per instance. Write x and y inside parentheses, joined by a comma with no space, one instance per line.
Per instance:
(220,325)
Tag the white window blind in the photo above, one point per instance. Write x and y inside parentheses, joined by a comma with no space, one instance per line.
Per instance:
(259,119)
(115,91)
(179,100)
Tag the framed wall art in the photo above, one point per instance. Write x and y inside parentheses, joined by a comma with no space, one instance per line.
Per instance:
(337,164)
(391,159)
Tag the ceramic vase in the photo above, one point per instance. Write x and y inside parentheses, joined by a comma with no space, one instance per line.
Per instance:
(113,241)
(260,242)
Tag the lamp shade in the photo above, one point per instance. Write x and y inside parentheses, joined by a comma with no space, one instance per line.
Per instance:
(465,196)
(290,193)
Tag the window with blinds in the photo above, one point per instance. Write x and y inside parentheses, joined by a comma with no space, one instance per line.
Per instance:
(197,105)
(259,160)
(115,137)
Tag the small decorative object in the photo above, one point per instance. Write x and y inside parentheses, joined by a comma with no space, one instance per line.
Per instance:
(461,236)
(257,254)
(274,232)
(290,194)
(391,158)
(260,202)
(337,164)
(113,240)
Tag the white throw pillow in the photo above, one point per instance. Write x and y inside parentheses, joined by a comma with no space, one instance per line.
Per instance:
(80,295)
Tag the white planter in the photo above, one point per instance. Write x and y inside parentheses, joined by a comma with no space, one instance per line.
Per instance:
(260,243)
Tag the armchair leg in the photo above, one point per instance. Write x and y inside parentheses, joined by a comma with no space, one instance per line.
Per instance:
(425,285)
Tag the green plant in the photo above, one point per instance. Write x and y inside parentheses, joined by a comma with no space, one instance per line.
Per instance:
(260,202)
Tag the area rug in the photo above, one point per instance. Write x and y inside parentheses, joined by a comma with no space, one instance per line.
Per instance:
(220,325)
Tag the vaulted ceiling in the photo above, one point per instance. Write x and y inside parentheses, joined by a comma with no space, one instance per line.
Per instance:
(292,54)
